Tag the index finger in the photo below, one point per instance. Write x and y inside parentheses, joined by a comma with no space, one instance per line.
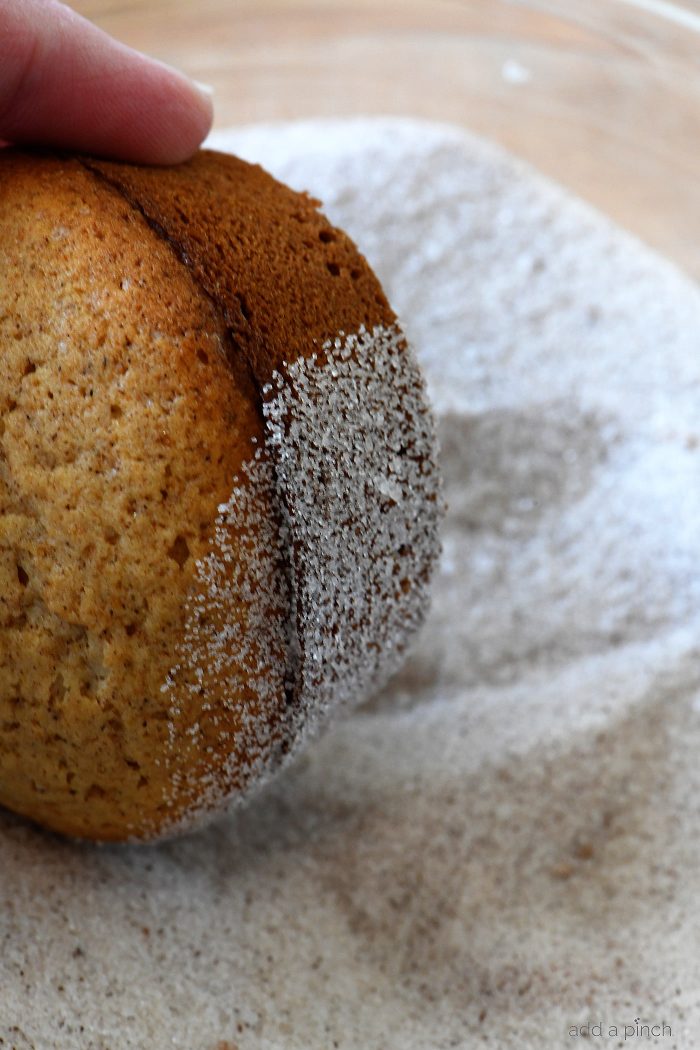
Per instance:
(63,82)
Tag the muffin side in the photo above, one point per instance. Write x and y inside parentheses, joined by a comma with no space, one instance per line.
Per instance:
(122,425)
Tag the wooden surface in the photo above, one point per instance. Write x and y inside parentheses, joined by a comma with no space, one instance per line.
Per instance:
(602,96)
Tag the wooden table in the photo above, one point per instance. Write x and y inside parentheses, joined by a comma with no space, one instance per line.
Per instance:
(603,96)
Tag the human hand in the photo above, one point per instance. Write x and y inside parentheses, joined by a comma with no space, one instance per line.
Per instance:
(65,83)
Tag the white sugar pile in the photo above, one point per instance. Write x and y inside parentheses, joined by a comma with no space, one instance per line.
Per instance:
(505,843)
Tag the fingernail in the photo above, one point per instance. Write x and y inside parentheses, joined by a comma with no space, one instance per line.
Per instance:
(205,89)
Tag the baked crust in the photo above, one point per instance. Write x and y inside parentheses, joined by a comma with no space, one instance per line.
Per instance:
(150,637)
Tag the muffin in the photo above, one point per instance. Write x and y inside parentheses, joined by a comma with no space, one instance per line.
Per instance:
(219,495)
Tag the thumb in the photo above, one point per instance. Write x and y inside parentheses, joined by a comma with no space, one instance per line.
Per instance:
(63,82)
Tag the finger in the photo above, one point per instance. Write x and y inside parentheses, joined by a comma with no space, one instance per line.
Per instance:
(63,82)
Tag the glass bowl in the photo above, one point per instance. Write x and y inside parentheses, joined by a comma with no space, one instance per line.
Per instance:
(604,97)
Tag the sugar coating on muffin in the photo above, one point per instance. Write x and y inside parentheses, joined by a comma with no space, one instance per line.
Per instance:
(349,447)
(218,483)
